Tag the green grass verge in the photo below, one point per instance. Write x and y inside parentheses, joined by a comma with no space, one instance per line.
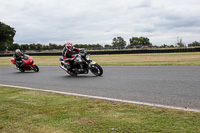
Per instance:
(23,111)
(191,58)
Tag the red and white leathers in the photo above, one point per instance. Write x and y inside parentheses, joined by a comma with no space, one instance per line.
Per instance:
(68,53)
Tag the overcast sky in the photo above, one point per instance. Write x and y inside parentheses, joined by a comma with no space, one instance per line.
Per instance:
(99,21)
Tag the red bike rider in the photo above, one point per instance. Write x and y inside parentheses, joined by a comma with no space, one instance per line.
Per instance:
(18,59)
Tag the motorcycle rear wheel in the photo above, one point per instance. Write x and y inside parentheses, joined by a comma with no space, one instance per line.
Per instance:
(72,74)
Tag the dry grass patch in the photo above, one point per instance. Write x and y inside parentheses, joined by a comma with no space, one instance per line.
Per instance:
(5,61)
(192,58)
(149,59)
(85,121)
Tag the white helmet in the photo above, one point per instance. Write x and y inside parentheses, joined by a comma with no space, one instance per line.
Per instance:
(18,52)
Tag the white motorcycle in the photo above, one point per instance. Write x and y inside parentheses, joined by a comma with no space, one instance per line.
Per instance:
(81,65)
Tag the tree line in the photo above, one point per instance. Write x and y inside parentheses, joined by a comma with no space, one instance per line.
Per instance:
(118,43)
(7,34)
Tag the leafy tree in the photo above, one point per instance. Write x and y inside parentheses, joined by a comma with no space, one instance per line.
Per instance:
(52,46)
(60,47)
(45,47)
(134,41)
(155,46)
(98,45)
(14,47)
(164,46)
(119,43)
(81,45)
(194,44)
(94,46)
(6,36)
(140,41)
(32,46)
(24,47)
(38,47)
(89,46)
(107,46)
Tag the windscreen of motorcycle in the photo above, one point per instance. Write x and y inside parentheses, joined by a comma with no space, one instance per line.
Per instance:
(26,57)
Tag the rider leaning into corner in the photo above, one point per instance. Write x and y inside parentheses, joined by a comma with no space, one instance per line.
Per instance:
(68,56)
(18,59)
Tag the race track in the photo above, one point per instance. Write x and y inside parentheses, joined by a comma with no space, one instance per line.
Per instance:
(166,85)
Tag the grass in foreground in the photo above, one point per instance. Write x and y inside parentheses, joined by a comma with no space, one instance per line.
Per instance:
(192,58)
(34,111)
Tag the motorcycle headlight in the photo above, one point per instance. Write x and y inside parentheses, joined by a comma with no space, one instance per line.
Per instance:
(87,57)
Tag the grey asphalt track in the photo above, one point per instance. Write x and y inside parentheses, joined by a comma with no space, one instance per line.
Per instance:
(166,85)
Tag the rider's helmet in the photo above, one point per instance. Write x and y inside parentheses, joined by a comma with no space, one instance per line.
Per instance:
(18,52)
(69,46)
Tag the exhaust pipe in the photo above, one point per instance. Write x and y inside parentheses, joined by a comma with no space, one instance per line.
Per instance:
(62,67)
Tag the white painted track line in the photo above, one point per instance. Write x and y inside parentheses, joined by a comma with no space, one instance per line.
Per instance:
(108,99)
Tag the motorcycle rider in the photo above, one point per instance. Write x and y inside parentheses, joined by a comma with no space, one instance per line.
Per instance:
(68,56)
(18,59)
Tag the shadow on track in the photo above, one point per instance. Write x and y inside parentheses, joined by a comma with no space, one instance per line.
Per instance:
(80,76)
(27,72)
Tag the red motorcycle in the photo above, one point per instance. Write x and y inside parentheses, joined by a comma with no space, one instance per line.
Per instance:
(29,64)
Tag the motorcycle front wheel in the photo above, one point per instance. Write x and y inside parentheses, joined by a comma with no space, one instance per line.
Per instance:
(96,69)
(21,70)
(36,68)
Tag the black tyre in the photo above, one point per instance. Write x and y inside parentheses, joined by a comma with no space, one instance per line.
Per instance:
(36,68)
(21,70)
(96,69)
(72,74)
